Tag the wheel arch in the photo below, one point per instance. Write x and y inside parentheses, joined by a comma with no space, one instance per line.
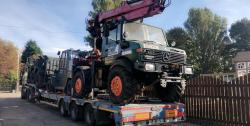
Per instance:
(123,62)
(80,68)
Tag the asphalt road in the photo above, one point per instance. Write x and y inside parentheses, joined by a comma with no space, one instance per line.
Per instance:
(17,112)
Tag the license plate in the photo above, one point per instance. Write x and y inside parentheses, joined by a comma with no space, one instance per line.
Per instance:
(171,113)
(142,116)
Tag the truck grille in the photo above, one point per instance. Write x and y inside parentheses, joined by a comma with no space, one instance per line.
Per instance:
(164,57)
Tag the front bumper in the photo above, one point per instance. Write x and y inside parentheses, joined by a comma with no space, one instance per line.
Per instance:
(142,66)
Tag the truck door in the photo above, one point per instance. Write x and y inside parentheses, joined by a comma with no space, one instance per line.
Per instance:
(111,47)
(62,75)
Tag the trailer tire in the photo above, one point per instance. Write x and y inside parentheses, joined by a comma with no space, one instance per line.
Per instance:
(89,115)
(122,86)
(172,93)
(27,94)
(74,112)
(23,94)
(62,108)
(30,98)
(81,84)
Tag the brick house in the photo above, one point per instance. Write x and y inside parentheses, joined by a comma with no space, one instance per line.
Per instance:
(242,63)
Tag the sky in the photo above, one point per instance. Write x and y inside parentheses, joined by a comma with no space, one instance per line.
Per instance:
(60,24)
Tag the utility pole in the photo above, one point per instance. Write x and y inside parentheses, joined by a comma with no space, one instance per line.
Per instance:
(17,81)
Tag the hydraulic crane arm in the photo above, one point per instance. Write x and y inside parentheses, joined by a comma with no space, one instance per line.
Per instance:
(134,10)
(130,10)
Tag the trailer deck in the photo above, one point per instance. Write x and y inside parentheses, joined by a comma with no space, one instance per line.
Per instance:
(138,113)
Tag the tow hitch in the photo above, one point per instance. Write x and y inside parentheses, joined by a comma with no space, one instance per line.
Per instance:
(166,79)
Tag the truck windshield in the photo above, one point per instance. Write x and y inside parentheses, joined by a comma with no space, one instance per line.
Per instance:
(145,33)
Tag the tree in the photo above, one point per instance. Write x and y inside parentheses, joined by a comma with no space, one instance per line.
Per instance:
(8,64)
(240,32)
(105,5)
(31,49)
(101,6)
(178,35)
(206,31)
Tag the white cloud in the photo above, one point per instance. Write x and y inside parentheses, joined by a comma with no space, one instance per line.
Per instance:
(233,10)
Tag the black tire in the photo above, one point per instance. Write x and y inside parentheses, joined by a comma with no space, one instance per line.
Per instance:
(89,115)
(129,86)
(74,112)
(68,88)
(172,93)
(23,94)
(30,97)
(62,108)
(84,78)
(27,95)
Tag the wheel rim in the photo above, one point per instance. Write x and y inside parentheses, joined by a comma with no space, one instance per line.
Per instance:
(116,86)
(78,85)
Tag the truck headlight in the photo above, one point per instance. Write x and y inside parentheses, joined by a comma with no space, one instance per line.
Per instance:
(149,67)
(148,57)
(188,70)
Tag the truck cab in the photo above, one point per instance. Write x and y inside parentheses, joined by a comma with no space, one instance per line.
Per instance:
(144,53)
(69,63)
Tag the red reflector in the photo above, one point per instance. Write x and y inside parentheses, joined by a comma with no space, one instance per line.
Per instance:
(128,119)
(180,114)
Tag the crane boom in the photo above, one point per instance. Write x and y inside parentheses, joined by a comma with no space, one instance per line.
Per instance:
(130,10)
(134,10)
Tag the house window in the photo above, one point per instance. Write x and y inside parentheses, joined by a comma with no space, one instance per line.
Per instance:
(241,65)
(241,73)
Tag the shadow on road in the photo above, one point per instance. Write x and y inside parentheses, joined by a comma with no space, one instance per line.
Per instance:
(17,112)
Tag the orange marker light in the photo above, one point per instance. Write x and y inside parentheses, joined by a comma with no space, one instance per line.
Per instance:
(139,50)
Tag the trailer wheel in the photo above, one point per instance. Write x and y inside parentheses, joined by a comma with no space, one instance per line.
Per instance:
(63,110)
(89,115)
(122,85)
(23,94)
(74,112)
(29,95)
(30,98)
(81,85)
(172,93)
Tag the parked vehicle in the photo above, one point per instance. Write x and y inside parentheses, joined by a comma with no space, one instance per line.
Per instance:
(136,56)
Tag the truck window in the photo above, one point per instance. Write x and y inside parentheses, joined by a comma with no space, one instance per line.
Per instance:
(115,34)
(118,33)
(112,35)
(62,62)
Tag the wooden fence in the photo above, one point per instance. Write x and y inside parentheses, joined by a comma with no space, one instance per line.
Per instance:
(212,102)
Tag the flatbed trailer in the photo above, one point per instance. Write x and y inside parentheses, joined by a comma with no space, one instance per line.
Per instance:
(104,112)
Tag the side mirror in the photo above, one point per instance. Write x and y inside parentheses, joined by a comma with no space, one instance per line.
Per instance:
(125,35)
(173,44)
(58,53)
